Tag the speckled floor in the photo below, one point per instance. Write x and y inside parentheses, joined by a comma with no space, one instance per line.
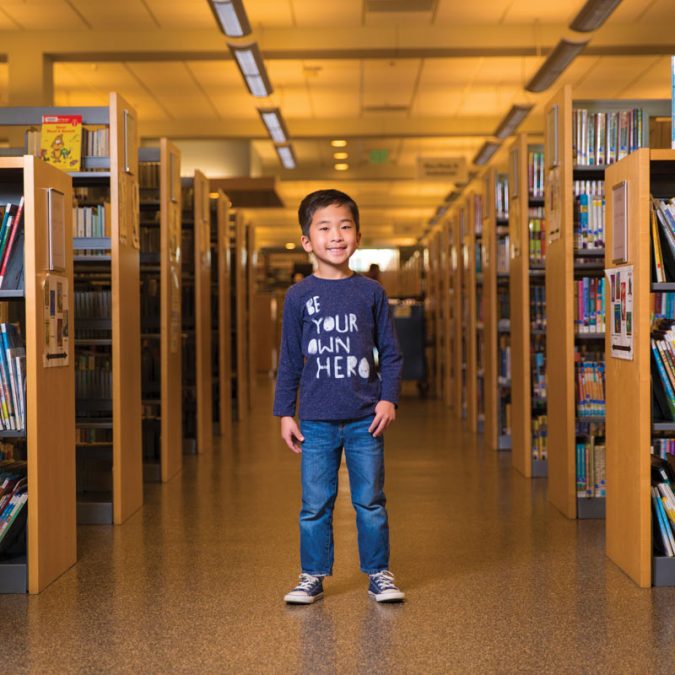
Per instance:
(497,580)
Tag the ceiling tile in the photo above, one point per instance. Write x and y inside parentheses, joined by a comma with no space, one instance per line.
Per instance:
(178,14)
(451,11)
(117,15)
(270,13)
(389,83)
(43,15)
(529,11)
(327,13)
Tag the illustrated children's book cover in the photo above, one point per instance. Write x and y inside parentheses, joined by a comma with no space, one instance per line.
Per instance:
(61,141)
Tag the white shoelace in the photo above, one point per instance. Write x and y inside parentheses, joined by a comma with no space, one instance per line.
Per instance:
(307,581)
(384,579)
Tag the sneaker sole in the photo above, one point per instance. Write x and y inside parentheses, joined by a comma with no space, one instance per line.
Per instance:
(302,600)
(388,597)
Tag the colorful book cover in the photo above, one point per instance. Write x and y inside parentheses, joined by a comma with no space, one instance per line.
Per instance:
(61,141)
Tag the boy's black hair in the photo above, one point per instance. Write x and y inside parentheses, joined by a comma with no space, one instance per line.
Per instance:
(319,200)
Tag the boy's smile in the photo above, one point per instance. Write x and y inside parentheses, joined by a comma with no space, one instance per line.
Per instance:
(333,238)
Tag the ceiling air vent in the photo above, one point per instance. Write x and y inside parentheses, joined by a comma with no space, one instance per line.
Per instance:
(385,109)
(400,5)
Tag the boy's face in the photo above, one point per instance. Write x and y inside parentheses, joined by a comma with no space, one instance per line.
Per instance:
(332,235)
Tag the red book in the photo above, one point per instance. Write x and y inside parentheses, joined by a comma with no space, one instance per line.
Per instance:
(10,245)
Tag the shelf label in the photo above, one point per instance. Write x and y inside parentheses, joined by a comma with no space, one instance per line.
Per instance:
(620,222)
(554,204)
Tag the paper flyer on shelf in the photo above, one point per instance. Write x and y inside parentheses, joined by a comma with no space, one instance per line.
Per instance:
(620,312)
(56,349)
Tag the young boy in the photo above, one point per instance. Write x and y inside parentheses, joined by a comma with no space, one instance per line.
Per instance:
(332,322)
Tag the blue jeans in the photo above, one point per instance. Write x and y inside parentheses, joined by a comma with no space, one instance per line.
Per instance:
(321,456)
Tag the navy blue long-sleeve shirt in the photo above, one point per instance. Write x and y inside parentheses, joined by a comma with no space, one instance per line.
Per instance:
(329,330)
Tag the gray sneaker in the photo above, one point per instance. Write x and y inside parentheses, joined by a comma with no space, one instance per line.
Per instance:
(383,588)
(309,590)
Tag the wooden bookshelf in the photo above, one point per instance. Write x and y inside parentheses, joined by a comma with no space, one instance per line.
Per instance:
(458,366)
(468,263)
(109,473)
(477,329)
(562,266)
(251,284)
(48,441)
(197,392)
(445,317)
(629,424)
(161,326)
(222,321)
(240,313)
(497,390)
(434,313)
(520,283)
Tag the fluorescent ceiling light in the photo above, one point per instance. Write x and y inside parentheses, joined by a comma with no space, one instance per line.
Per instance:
(555,64)
(341,166)
(231,17)
(290,246)
(286,156)
(485,153)
(593,14)
(250,63)
(276,128)
(512,120)
(339,144)
(340,155)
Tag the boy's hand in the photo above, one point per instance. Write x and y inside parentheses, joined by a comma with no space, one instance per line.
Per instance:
(291,434)
(385,414)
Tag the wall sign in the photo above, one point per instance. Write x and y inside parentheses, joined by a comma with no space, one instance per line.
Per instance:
(449,169)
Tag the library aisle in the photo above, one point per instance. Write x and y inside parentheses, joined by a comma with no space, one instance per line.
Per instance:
(497,578)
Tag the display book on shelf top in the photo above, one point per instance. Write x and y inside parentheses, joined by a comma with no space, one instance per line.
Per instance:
(161,329)
(640,423)
(106,338)
(575,164)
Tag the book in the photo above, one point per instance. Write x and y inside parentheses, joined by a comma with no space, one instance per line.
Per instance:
(6,255)
(661,525)
(590,389)
(539,437)
(13,498)
(12,378)
(6,225)
(589,214)
(604,137)
(61,141)
(589,303)
(657,255)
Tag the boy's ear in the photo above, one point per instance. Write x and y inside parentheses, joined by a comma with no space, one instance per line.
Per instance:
(306,243)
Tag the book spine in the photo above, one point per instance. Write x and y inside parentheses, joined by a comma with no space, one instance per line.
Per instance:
(664,378)
(665,541)
(12,239)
